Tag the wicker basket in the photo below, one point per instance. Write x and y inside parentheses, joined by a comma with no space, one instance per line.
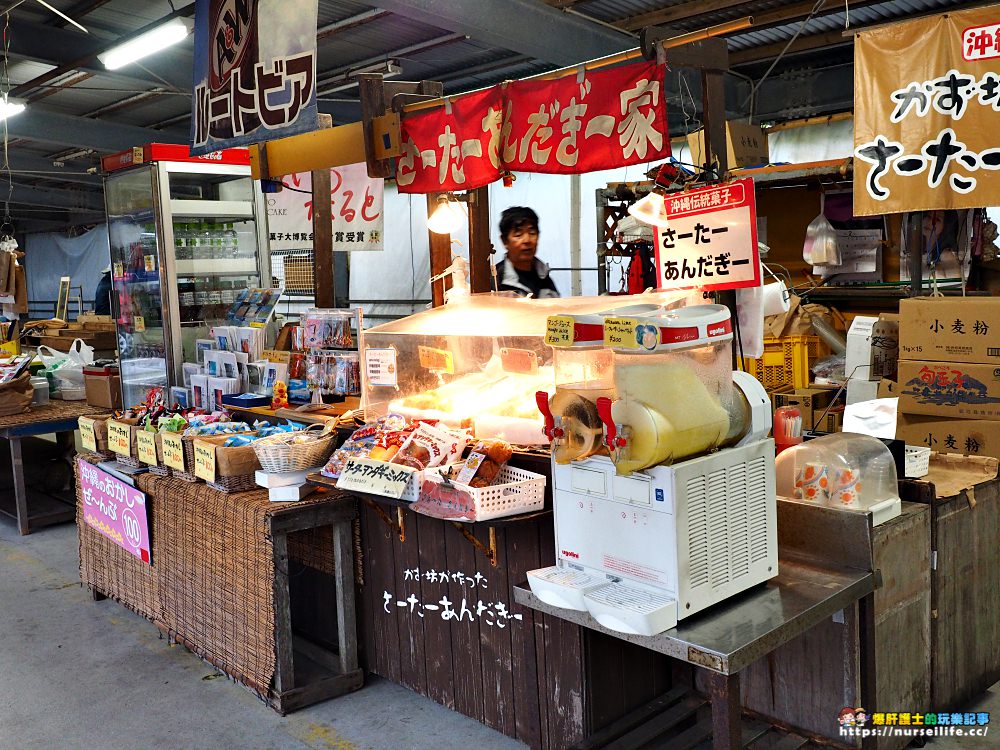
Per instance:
(277,456)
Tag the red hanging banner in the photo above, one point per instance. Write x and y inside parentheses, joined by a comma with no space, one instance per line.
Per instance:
(583,123)
(596,120)
(454,147)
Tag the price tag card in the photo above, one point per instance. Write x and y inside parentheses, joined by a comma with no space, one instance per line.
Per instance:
(87,436)
(173,451)
(620,333)
(438,360)
(518,361)
(273,355)
(380,367)
(145,447)
(140,323)
(559,330)
(119,271)
(204,460)
(120,438)
(375,477)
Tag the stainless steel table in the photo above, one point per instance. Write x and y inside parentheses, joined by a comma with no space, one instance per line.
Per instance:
(826,565)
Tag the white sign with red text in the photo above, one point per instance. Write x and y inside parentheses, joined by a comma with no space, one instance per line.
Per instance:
(711,239)
(355,201)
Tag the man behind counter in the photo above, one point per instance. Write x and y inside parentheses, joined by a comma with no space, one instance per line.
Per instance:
(520,271)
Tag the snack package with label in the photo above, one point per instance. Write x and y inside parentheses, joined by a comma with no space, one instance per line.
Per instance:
(429,446)
(483,464)
(445,500)
(363,441)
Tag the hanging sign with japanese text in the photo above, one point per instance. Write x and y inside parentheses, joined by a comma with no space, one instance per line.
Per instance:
(453,147)
(579,123)
(711,238)
(114,509)
(254,72)
(927,110)
(355,202)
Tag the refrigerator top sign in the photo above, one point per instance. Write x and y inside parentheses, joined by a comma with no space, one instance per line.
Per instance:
(710,240)
(154,152)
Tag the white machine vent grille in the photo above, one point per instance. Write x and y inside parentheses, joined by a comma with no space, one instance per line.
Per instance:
(739,542)
(756,485)
(697,507)
(718,528)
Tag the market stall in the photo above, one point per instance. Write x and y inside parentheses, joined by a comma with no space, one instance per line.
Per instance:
(222,575)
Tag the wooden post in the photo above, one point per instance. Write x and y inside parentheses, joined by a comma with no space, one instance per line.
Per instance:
(480,247)
(440,248)
(915,247)
(322,239)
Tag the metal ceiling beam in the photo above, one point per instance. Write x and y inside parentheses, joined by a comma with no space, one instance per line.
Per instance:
(85,199)
(37,125)
(802,44)
(71,50)
(524,26)
(39,167)
(680,12)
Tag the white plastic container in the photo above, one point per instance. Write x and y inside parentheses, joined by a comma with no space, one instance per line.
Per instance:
(73,394)
(41,395)
(844,470)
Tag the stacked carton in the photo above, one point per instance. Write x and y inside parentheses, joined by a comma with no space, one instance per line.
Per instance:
(872,354)
(949,374)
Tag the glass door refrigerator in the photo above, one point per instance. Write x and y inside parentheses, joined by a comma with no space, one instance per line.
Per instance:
(187,235)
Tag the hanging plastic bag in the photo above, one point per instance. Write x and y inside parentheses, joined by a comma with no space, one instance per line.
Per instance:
(81,353)
(820,247)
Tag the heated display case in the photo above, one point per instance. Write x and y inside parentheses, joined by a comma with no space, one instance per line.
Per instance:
(187,235)
(476,363)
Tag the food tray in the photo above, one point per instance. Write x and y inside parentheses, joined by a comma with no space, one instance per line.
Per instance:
(516,491)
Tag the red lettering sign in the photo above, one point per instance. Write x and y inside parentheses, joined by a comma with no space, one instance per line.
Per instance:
(578,123)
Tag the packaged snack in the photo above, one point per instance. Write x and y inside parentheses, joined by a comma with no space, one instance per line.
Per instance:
(484,463)
(445,500)
(362,442)
(429,446)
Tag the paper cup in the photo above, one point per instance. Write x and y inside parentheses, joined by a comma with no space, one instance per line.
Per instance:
(847,487)
(812,482)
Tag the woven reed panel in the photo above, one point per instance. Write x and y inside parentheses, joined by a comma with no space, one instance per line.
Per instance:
(216,584)
(54,410)
(113,571)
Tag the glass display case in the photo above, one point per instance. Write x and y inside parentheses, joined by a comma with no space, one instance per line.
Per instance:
(476,363)
(187,235)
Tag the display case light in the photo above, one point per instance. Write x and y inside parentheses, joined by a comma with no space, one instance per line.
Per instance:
(146,44)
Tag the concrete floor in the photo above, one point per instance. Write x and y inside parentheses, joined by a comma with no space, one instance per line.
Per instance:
(75,673)
(78,674)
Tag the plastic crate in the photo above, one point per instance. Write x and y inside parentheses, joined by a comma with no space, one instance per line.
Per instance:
(785,361)
(917,461)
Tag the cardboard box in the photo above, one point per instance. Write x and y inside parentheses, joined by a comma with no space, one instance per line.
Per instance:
(812,402)
(974,437)
(104,391)
(861,390)
(949,389)
(832,422)
(887,389)
(746,145)
(873,347)
(950,329)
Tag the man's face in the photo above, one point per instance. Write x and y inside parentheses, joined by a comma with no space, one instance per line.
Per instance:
(522,244)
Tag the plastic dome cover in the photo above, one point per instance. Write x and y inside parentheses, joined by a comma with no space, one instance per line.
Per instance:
(843,470)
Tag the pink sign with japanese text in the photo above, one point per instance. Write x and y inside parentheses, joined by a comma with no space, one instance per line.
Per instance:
(114,509)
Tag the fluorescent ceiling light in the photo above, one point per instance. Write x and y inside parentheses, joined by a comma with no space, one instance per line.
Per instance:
(146,44)
(10,107)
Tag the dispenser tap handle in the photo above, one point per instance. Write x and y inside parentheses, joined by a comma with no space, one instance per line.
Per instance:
(612,438)
(550,429)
